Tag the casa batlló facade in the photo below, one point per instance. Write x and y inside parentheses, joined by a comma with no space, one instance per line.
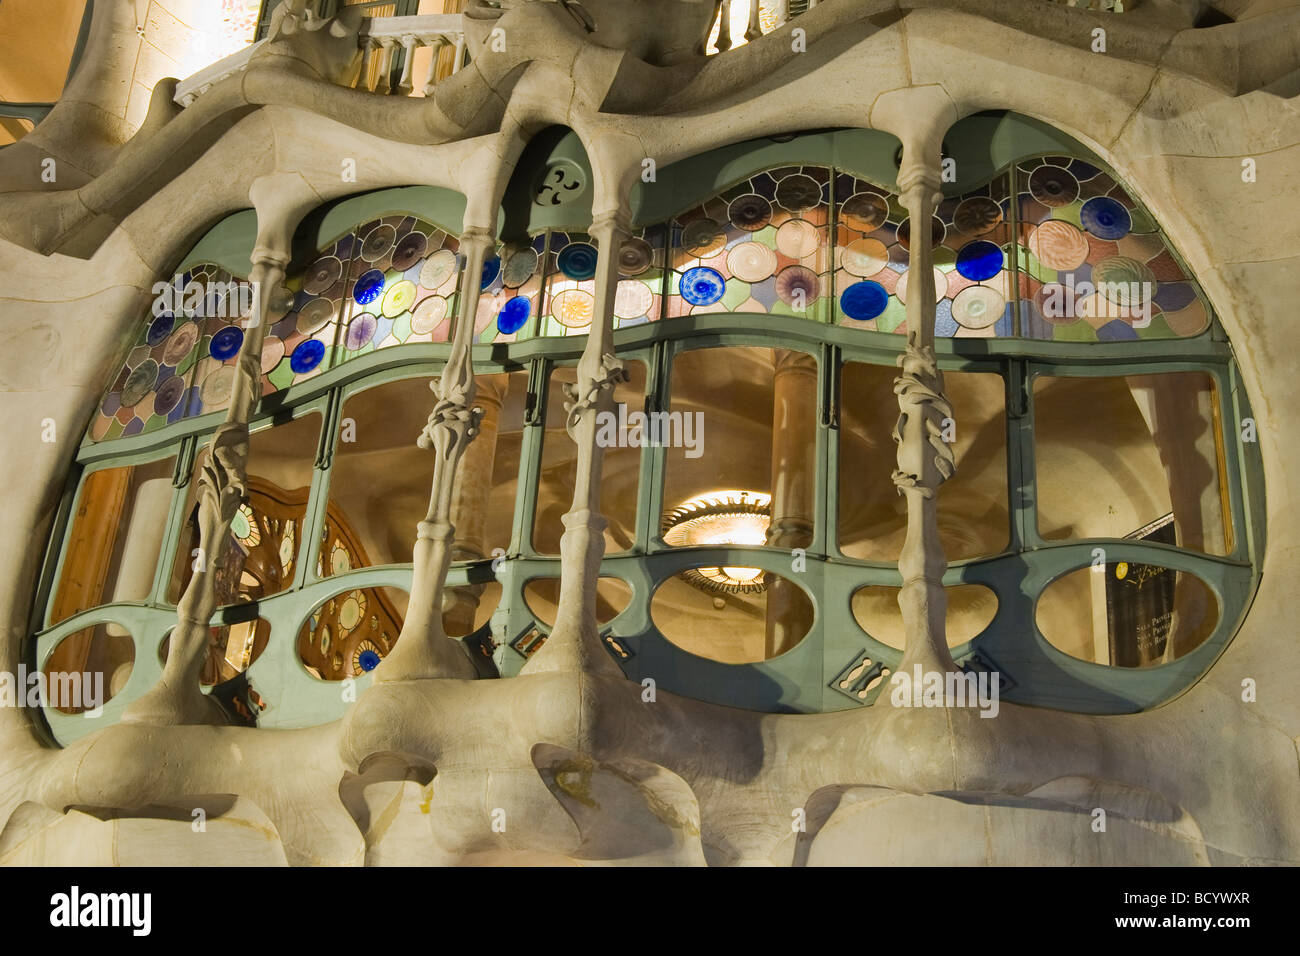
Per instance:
(536,432)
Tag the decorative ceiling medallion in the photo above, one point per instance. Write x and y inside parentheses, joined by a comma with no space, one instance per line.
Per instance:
(721,519)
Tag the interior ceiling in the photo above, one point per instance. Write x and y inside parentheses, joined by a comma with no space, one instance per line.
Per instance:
(36,42)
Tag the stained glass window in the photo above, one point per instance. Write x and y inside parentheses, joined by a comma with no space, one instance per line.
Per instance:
(1093,264)
(570,299)
(869,258)
(165,374)
(759,246)
(398,285)
(511,286)
(639,298)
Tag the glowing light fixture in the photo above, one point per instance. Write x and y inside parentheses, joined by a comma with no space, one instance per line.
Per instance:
(721,519)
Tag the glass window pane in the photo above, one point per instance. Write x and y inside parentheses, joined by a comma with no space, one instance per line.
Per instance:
(971,608)
(262,548)
(112,551)
(89,667)
(732,627)
(620,470)
(1132,457)
(543,598)
(973,509)
(1126,614)
(380,479)
(351,633)
(1094,265)
(745,469)
(760,246)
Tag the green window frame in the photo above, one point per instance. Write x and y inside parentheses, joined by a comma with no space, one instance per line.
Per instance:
(807,678)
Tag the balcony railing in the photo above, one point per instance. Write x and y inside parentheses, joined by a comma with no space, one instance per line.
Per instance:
(382,37)
(388,46)
(381,40)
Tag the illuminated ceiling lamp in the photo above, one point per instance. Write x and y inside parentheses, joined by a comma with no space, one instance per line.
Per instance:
(721,519)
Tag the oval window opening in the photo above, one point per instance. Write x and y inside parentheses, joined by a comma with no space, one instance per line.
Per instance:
(737,627)
(350,634)
(971,608)
(1125,614)
(89,667)
(232,649)
(468,607)
(543,595)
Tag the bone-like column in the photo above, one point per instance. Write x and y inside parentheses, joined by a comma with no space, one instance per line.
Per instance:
(469,509)
(794,471)
(755,28)
(223,483)
(574,643)
(925,461)
(423,649)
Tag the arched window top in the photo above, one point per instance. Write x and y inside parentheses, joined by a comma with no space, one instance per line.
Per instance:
(1035,239)
(387,281)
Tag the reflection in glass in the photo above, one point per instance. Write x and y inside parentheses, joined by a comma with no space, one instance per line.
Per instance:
(112,550)
(620,473)
(972,504)
(1117,457)
(1127,614)
(732,628)
(89,667)
(351,633)
(261,550)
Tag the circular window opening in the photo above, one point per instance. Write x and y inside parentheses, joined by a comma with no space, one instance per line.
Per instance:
(732,627)
(88,668)
(971,608)
(1132,615)
(350,634)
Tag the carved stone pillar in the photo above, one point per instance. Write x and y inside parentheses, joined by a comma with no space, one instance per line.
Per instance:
(177,697)
(469,509)
(794,473)
(754,29)
(724,27)
(574,643)
(924,460)
(423,649)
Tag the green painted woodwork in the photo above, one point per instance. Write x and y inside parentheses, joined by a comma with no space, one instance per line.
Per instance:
(803,679)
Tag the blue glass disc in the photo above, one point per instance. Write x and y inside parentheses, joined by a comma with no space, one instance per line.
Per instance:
(864,300)
(491,269)
(368,287)
(307,356)
(225,344)
(577,260)
(368,660)
(514,314)
(979,260)
(1105,218)
(702,285)
(160,329)
(1116,330)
